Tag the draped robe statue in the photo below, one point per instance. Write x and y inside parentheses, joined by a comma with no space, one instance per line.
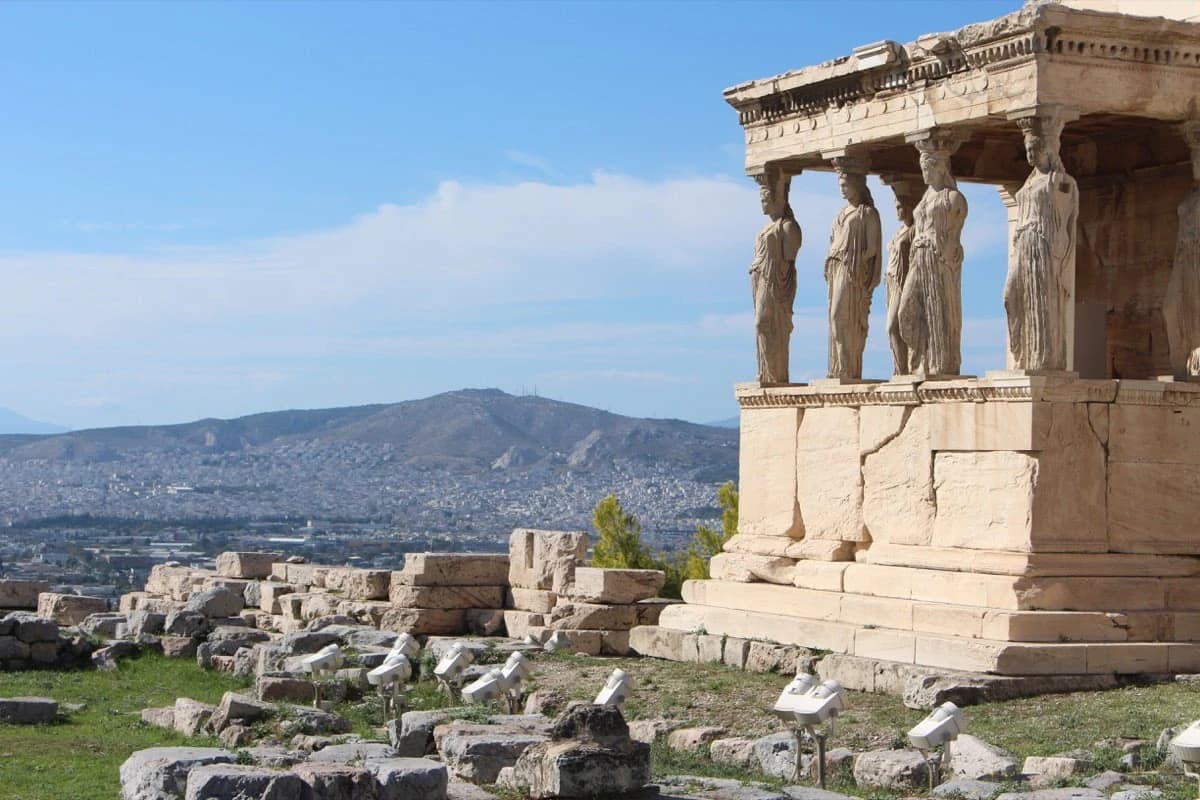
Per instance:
(1040,286)
(931,301)
(897,273)
(1181,306)
(852,271)
(773,279)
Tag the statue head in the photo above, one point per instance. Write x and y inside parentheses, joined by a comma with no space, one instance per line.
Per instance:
(935,163)
(773,193)
(904,208)
(1042,141)
(854,188)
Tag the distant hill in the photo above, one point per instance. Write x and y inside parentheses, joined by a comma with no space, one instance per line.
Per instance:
(470,429)
(728,422)
(12,422)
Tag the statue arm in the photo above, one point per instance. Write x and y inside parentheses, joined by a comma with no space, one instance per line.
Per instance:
(792,239)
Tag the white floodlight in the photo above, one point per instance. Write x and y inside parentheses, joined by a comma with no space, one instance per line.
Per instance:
(449,671)
(943,724)
(489,687)
(1186,747)
(406,645)
(785,706)
(558,642)
(394,669)
(819,705)
(516,670)
(616,689)
(531,639)
(324,662)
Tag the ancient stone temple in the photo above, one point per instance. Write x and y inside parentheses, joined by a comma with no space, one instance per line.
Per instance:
(1041,518)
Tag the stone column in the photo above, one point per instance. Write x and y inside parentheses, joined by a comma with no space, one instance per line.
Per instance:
(907,190)
(1039,292)
(931,303)
(1008,196)
(773,276)
(1181,305)
(852,267)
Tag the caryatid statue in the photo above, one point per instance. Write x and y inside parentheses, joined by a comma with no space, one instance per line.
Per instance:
(773,277)
(931,300)
(1181,306)
(1039,292)
(907,191)
(852,270)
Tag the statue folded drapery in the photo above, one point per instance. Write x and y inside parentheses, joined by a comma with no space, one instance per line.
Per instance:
(1040,287)
(931,302)
(773,279)
(896,275)
(852,271)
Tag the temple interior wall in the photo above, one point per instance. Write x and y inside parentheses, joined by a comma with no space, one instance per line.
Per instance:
(1125,248)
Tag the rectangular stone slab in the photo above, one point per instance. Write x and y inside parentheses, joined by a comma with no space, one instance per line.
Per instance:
(447,596)
(453,569)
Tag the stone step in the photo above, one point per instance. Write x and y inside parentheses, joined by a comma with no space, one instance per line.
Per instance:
(1000,562)
(1003,592)
(931,650)
(946,619)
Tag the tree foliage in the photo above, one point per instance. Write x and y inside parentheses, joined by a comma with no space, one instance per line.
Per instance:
(619,542)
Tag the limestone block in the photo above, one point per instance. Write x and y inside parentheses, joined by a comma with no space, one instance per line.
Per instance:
(269,594)
(593,616)
(1069,506)
(341,781)
(546,560)
(1154,434)
(1091,594)
(485,621)
(747,568)
(710,649)
(21,594)
(409,778)
(836,637)
(246,565)
(161,773)
(453,569)
(588,642)
(1127,658)
(615,643)
(538,601)
(447,596)
(735,652)
(1153,507)
(765,657)
(776,755)
(274,689)
(888,645)
(478,758)
(821,550)
(904,770)
(317,604)
(1052,626)
(69,609)
(368,612)
(191,716)
(518,623)
(173,581)
(159,717)
(422,621)
(216,602)
(694,739)
(28,710)
(974,758)
(829,474)
(353,751)
(758,545)
(767,504)
(239,780)
(1183,658)
(648,611)
(306,576)
(130,601)
(658,642)
(951,620)
(359,584)
(898,495)
(984,499)
(615,586)
(817,575)
(989,426)
(733,752)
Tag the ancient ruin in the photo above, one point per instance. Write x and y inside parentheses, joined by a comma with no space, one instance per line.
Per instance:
(1038,520)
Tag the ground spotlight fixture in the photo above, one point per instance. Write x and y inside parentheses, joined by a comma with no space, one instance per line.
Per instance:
(514,673)
(616,689)
(942,726)
(449,671)
(388,677)
(486,688)
(804,704)
(322,665)
(557,643)
(1186,747)
(406,645)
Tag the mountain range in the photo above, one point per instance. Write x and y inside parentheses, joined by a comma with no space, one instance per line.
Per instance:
(469,460)
(12,422)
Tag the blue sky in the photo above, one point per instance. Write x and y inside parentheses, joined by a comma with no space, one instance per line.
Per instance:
(213,209)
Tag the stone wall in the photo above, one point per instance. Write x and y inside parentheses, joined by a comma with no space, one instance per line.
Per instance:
(1011,525)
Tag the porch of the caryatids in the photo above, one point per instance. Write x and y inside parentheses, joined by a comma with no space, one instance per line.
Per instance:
(1181,305)
(907,191)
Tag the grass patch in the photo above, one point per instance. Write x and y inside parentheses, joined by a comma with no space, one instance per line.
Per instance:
(80,757)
